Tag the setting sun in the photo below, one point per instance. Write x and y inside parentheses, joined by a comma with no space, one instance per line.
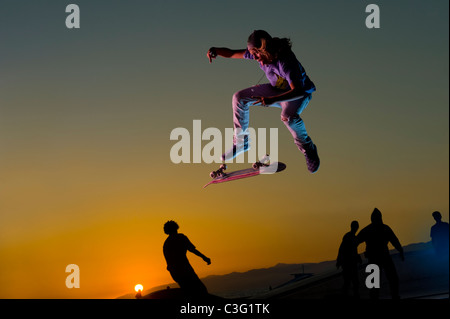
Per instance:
(138,288)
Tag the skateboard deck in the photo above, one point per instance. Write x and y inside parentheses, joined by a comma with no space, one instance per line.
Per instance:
(248,172)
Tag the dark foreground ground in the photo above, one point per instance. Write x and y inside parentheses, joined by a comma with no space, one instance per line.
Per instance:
(422,276)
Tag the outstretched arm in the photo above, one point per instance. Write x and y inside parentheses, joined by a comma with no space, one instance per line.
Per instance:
(396,243)
(224,52)
(196,252)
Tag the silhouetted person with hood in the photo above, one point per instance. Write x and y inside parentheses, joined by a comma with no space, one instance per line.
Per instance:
(348,258)
(439,236)
(377,236)
(175,249)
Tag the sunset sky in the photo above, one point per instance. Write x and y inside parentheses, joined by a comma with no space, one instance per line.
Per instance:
(86,115)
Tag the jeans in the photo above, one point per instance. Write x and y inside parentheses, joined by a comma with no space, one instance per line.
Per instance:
(290,113)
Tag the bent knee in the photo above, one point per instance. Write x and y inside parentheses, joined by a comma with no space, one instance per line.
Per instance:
(238,97)
(243,97)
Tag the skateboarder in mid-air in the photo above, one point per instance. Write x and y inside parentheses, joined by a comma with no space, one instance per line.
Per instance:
(290,89)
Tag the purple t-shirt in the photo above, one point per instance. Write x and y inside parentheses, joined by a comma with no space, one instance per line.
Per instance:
(282,72)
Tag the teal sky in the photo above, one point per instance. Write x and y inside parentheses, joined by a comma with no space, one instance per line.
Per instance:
(86,114)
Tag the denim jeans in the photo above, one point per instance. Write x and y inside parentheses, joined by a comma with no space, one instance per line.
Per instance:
(290,113)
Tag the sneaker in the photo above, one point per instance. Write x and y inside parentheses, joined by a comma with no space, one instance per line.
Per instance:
(237,149)
(312,159)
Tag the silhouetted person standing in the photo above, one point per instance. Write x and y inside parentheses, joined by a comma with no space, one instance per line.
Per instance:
(348,258)
(439,236)
(175,249)
(377,236)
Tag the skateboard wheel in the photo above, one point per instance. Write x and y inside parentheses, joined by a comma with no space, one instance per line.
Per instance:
(213,174)
(223,167)
(255,165)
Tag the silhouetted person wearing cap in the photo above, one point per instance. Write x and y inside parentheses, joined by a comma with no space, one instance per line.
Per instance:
(348,258)
(377,236)
(175,249)
(439,236)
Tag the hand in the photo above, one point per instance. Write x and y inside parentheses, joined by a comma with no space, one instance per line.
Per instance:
(212,54)
(207,260)
(264,101)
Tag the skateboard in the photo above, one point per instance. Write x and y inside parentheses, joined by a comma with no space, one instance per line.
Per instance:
(261,167)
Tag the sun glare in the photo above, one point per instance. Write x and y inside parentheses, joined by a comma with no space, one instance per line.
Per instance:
(138,287)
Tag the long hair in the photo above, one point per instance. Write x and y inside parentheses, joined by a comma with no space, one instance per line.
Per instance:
(268,47)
